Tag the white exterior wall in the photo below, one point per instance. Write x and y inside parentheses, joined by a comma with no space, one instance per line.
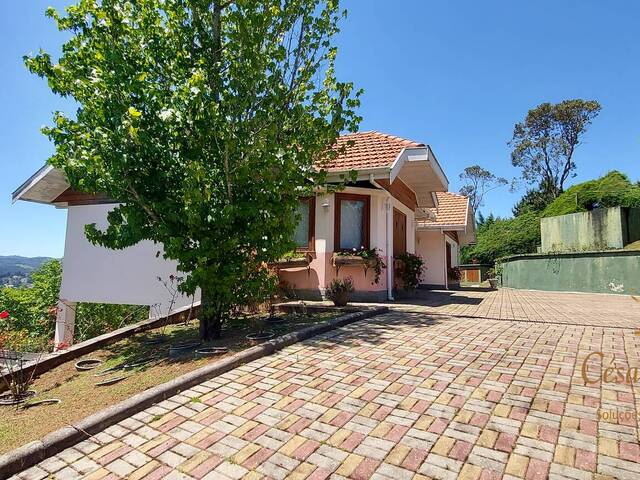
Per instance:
(455,251)
(430,246)
(95,274)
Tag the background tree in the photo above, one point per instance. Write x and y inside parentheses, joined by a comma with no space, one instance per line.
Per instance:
(477,183)
(545,142)
(205,119)
(534,200)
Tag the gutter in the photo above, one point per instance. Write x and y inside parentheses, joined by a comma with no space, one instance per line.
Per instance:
(457,228)
(446,267)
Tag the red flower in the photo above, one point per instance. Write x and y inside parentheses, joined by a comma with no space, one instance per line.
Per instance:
(4,314)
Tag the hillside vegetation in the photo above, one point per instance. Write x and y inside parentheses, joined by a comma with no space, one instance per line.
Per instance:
(613,190)
(501,237)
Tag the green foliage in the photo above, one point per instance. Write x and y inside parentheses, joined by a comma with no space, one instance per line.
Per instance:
(411,270)
(501,237)
(206,120)
(93,319)
(371,256)
(612,190)
(534,200)
(504,237)
(545,142)
(33,309)
(339,287)
(31,324)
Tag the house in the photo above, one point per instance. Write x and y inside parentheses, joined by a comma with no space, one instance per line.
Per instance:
(399,203)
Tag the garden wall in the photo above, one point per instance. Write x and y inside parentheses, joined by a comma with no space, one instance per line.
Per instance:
(613,271)
(597,229)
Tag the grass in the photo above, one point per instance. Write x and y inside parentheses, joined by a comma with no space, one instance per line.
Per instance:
(81,398)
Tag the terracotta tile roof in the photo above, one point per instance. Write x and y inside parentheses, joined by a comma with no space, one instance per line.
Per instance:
(368,150)
(451,210)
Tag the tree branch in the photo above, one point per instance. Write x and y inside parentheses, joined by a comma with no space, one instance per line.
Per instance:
(148,210)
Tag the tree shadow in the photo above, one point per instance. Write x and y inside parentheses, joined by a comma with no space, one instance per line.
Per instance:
(374,331)
(153,348)
(441,298)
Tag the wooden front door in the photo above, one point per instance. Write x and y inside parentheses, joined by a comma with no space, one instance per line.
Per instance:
(399,233)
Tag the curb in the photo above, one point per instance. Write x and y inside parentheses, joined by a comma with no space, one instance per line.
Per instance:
(32,453)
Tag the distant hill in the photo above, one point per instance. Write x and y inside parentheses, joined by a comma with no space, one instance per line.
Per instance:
(16,270)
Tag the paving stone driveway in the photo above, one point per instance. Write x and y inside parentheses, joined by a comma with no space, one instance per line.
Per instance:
(399,396)
(529,305)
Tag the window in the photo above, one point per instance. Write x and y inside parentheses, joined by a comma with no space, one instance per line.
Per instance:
(352,221)
(304,232)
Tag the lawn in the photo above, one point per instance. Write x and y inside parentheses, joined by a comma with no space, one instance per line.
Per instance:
(80,397)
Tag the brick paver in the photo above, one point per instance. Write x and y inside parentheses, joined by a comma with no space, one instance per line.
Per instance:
(606,310)
(402,395)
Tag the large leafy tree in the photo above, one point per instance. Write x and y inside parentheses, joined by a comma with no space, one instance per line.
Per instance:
(544,143)
(205,119)
(477,183)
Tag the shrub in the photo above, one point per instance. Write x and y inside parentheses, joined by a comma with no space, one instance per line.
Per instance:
(338,287)
(411,271)
(454,274)
(503,237)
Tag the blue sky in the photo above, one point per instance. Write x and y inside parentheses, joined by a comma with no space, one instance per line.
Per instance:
(456,75)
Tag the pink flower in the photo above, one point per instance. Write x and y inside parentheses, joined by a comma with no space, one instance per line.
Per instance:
(4,314)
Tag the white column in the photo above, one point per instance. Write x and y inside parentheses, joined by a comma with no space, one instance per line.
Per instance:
(65,324)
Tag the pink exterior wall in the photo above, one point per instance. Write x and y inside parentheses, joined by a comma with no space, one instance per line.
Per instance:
(322,271)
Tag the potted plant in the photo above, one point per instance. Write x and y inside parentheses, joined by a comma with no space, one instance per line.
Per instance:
(293,259)
(492,276)
(454,274)
(339,291)
(410,270)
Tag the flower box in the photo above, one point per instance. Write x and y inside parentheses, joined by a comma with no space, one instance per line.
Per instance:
(346,260)
(340,261)
(302,261)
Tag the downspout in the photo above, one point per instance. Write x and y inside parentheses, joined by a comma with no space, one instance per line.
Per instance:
(389,227)
(446,272)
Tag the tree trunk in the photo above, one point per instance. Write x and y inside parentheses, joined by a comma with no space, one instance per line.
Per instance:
(211,317)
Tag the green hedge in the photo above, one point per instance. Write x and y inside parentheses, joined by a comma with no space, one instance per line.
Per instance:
(505,236)
(613,190)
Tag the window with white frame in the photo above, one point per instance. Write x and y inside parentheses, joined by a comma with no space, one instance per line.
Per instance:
(351,221)
(304,232)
